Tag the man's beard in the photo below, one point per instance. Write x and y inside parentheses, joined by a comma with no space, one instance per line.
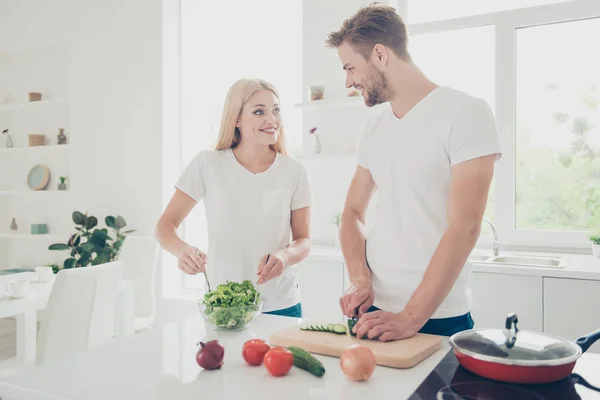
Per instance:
(378,89)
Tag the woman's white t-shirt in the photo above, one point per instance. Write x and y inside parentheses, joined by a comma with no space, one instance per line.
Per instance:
(248,216)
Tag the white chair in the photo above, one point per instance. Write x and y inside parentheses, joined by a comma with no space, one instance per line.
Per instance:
(140,256)
(80,311)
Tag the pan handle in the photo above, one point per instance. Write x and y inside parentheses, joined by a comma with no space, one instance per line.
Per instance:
(512,334)
(585,342)
(579,379)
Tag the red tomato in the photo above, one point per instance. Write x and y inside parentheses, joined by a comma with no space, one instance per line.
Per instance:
(279,361)
(254,351)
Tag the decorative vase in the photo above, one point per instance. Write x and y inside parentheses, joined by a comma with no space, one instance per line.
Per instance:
(318,144)
(13,225)
(8,142)
(62,138)
(62,186)
(596,250)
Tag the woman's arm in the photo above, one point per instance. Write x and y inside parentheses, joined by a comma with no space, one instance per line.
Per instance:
(295,252)
(191,260)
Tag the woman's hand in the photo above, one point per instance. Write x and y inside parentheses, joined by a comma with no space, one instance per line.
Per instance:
(191,260)
(271,266)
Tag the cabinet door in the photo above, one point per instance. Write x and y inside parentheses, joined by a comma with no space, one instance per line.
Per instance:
(321,285)
(497,295)
(571,308)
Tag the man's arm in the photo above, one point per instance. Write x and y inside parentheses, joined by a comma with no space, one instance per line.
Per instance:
(352,239)
(468,197)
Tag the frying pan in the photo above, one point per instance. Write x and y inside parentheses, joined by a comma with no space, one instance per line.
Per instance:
(512,355)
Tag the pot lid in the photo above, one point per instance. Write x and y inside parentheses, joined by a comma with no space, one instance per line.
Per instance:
(511,346)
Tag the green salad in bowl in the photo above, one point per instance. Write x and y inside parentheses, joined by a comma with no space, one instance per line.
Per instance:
(231,306)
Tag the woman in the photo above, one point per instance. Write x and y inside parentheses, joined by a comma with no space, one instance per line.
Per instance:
(254,195)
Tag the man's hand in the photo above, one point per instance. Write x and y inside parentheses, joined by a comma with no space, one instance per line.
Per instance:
(386,326)
(359,296)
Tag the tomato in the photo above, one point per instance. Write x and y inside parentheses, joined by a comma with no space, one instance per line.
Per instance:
(254,351)
(279,361)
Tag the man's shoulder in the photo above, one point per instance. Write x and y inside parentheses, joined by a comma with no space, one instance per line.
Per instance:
(374,121)
(455,102)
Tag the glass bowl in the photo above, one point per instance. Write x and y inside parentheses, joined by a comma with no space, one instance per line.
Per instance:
(230,318)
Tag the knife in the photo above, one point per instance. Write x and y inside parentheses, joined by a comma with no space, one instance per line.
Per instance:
(266,259)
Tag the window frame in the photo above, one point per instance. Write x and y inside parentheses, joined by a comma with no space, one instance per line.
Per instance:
(506,24)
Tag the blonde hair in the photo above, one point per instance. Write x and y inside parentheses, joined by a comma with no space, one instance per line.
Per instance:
(238,95)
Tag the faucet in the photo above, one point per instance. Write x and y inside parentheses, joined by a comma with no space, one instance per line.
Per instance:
(496,242)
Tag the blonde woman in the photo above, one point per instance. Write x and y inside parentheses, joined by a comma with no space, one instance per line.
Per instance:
(254,196)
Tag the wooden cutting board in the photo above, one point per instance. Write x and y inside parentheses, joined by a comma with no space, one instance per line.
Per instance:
(397,354)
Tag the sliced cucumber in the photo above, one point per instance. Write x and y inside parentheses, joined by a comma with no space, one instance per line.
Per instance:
(339,329)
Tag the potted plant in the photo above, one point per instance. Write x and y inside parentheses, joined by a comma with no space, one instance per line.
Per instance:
(93,246)
(595,238)
(62,185)
(336,221)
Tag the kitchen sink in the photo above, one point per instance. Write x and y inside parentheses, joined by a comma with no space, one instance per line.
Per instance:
(478,257)
(529,261)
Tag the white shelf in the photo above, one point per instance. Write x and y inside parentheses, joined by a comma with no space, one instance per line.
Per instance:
(30,236)
(339,103)
(34,148)
(33,192)
(33,104)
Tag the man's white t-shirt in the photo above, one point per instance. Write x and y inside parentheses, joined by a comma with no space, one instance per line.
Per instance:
(248,216)
(411,160)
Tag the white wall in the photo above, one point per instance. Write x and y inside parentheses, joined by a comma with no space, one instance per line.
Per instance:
(339,127)
(115,110)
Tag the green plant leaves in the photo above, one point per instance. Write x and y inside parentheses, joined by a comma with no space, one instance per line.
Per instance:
(110,222)
(93,247)
(120,222)
(75,240)
(58,246)
(91,222)
(78,218)
(69,263)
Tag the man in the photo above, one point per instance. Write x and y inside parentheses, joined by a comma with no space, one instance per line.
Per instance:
(431,156)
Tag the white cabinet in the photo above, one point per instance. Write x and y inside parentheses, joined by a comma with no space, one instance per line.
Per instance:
(571,308)
(321,286)
(497,295)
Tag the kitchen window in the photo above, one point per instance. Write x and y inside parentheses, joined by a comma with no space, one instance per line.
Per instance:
(533,62)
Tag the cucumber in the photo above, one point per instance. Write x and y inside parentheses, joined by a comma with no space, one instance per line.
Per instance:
(330,328)
(304,360)
(351,323)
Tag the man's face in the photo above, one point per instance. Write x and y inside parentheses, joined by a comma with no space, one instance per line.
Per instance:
(364,76)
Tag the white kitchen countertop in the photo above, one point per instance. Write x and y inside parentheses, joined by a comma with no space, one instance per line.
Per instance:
(577,266)
(160,364)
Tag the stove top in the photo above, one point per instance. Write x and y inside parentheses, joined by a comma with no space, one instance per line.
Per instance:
(450,381)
